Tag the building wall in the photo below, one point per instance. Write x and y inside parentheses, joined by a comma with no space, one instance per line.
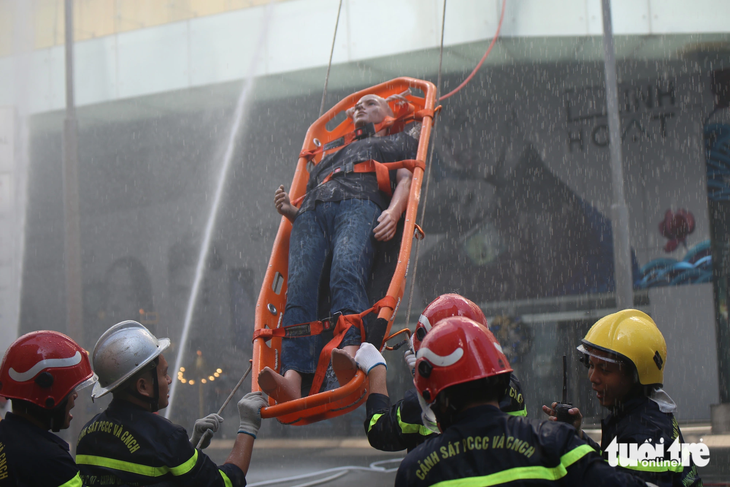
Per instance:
(183,51)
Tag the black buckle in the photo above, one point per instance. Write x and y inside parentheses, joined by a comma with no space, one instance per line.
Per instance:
(330,322)
(365,131)
(346,168)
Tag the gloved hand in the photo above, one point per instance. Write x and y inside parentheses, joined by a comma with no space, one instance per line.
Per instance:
(368,357)
(249,412)
(410,357)
(210,422)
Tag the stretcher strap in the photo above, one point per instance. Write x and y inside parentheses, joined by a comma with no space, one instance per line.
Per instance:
(344,323)
(381,170)
(340,323)
(318,327)
(367,130)
(296,331)
(395,124)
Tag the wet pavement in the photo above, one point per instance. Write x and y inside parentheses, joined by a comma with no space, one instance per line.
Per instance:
(280,459)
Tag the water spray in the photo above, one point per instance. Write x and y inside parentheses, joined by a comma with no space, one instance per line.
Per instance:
(210,225)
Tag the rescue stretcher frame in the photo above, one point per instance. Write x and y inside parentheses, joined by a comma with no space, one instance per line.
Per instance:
(272,298)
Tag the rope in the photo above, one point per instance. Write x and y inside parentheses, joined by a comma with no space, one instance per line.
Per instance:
(329,66)
(491,45)
(209,433)
(428,171)
(433,133)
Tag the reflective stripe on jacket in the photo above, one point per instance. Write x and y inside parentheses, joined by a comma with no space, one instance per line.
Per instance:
(127,445)
(400,427)
(486,446)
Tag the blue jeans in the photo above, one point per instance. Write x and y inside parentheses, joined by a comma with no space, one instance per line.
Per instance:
(342,230)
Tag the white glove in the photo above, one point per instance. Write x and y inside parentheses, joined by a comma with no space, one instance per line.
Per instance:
(249,412)
(410,357)
(210,422)
(368,357)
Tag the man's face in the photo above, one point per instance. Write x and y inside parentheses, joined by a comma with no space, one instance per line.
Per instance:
(370,109)
(164,381)
(611,381)
(69,406)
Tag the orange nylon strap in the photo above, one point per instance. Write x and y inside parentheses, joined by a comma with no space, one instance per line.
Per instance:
(381,170)
(418,232)
(295,331)
(386,302)
(347,139)
(426,112)
(404,116)
(298,202)
(317,327)
(344,323)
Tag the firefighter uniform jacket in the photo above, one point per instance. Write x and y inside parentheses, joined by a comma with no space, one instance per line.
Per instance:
(639,420)
(485,446)
(127,445)
(400,427)
(31,456)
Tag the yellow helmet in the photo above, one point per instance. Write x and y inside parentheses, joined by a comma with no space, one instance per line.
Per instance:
(632,335)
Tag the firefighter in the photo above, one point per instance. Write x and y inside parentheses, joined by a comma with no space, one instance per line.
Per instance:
(461,375)
(41,374)
(626,354)
(400,426)
(127,444)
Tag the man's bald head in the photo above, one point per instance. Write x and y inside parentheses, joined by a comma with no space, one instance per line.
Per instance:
(369,109)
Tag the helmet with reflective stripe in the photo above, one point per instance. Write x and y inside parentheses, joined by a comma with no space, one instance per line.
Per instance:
(456,351)
(445,306)
(43,367)
(633,336)
(123,350)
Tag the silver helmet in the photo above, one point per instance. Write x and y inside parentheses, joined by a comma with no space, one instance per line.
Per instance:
(123,350)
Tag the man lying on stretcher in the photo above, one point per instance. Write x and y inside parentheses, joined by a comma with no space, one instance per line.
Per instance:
(341,217)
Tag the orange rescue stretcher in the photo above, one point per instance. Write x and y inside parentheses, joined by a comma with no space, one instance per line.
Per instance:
(409,108)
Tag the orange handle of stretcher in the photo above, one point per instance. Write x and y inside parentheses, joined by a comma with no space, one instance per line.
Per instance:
(316,400)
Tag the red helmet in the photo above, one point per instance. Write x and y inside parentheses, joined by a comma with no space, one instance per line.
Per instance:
(445,306)
(43,367)
(458,350)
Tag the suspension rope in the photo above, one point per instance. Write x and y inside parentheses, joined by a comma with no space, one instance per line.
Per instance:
(489,49)
(329,66)
(428,171)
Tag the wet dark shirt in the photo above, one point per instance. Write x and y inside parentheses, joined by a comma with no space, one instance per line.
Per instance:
(344,186)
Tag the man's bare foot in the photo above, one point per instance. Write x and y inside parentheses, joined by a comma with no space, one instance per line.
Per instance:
(282,389)
(343,365)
